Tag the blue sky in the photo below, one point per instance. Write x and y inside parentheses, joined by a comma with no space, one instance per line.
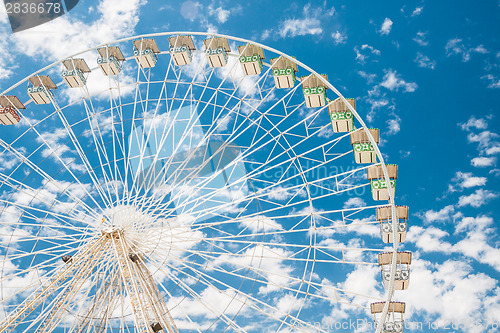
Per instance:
(426,73)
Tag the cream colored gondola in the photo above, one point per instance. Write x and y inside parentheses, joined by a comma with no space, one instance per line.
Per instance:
(146,52)
(251,57)
(9,110)
(384,216)
(394,322)
(314,90)
(181,49)
(39,89)
(217,49)
(110,60)
(364,152)
(402,276)
(378,185)
(284,72)
(341,117)
(76,72)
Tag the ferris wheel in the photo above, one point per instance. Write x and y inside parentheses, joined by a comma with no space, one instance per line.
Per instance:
(193,182)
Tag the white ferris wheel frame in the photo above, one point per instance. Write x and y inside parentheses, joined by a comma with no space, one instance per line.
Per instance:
(391,201)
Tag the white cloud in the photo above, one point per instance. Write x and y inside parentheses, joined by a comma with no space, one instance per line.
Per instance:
(359,56)
(442,215)
(486,142)
(260,224)
(212,302)
(221,14)
(421,38)
(339,37)
(473,122)
(393,81)
(456,46)
(477,199)
(474,244)
(281,193)
(482,161)
(301,27)
(354,202)
(363,280)
(369,77)
(454,292)
(289,303)
(386,27)
(362,56)
(424,61)
(266,34)
(376,104)
(269,262)
(309,24)
(429,239)
(467,180)
(394,125)
(494,81)
(189,10)
(110,25)
(371,48)
(479,223)
(417,11)
(7,161)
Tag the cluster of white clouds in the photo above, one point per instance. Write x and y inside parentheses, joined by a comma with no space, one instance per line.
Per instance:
(424,61)
(421,38)
(339,37)
(394,82)
(494,81)
(456,46)
(311,23)
(363,52)
(454,290)
(377,96)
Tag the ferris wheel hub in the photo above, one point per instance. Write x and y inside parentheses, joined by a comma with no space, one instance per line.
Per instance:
(112,231)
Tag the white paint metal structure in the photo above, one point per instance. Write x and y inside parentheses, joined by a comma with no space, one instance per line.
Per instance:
(191,196)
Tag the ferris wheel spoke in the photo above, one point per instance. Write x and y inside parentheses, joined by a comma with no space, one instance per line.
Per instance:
(170,128)
(163,91)
(25,189)
(48,178)
(189,291)
(143,102)
(102,302)
(55,281)
(79,150)
(266,277)
(135,184)
(206,280)
(179,306)
(62,302)
(276,157)
(292,256)
(273,209)
(45,222)
(46,270)
(345,215)
(214,120)
(98,139)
